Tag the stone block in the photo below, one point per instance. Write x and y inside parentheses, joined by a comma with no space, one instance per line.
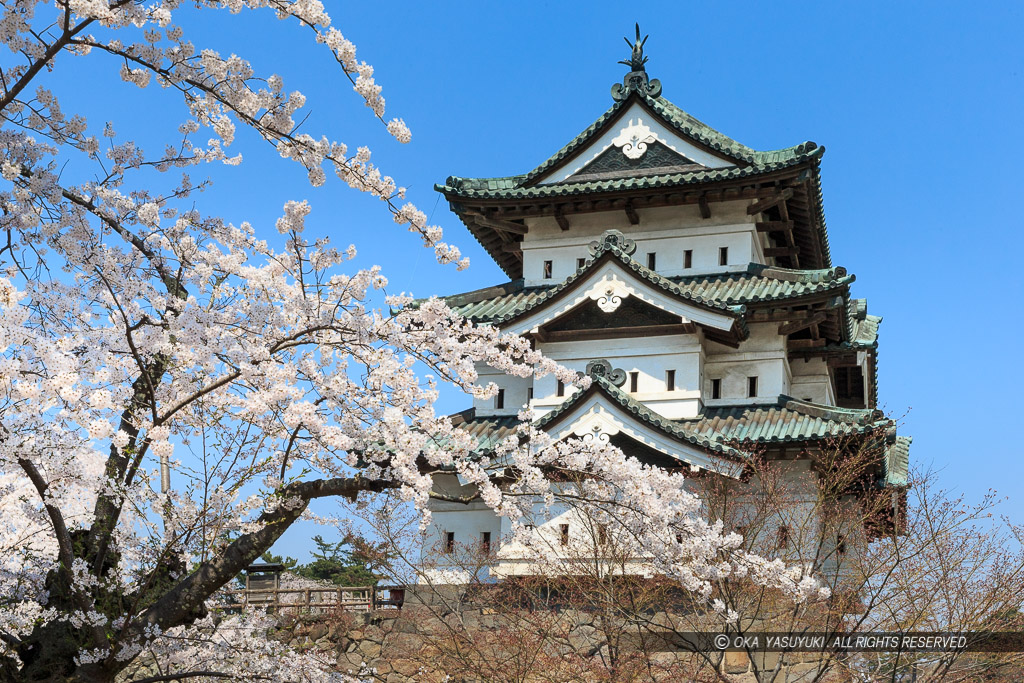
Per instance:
(736,662)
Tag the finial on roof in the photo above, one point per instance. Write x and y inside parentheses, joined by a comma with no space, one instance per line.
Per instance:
(636,80)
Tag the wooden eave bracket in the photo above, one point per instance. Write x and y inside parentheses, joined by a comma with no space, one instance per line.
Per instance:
(562,221)
(634,217)
(705,208)
(501,224)
(797,325)
(765,204)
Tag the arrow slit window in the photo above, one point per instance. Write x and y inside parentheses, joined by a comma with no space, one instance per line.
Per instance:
(548,270)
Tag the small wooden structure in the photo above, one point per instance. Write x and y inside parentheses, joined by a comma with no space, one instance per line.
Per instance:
(263,591)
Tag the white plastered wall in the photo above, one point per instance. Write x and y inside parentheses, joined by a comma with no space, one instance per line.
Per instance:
(810,381)
(762,355)
(666,232)
(650,357)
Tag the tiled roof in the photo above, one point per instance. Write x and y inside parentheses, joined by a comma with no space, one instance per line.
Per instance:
(757,284)
(787,421)
(719,430)
(897,461)
(510,188)
(753,162)
(643,414)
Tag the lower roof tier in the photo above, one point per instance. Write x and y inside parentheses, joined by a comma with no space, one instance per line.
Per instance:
(731,432)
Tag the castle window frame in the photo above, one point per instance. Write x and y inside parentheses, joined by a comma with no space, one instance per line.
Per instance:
(688,258)
(549,269)
(723,256)
(716,387)
(670,380)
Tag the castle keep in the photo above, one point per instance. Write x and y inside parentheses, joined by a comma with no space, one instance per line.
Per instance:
(690,276)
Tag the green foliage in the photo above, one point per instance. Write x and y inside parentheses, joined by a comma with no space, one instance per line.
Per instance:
(288,562)
(353,561)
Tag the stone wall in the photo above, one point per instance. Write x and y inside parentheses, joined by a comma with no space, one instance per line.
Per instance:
(435,636)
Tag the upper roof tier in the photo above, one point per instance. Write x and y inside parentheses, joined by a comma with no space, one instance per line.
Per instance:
(645,152)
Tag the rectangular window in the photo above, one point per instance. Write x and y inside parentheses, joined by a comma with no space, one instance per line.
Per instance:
(529,393)
(449,542)
(841,544)
(634,381)
(547,270)
(716,388)
(670,380)
(602,534)
(688,258)
(485,543)
(499,400)
(782,541)
(561,388)
(563,534)
(652,260)
(580,263)
(723,256)
(752,387)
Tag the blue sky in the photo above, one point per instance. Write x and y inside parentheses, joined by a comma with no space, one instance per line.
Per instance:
(918,105)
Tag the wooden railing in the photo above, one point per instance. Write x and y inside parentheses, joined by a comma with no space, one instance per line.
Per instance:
(314,600)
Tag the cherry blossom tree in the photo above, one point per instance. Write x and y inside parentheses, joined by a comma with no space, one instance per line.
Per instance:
(176,389)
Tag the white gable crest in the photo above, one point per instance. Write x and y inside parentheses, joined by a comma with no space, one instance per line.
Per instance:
(634,138)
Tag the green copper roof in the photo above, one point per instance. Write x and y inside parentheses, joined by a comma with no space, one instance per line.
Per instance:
(755,285)
(643,414)
(720,430)
(897,461)
(747,161)
(787,421)
(511,188)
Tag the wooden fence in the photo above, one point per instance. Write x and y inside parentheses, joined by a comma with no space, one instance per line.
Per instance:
(315,600)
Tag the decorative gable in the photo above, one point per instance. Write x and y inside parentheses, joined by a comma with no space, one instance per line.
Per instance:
(637,140)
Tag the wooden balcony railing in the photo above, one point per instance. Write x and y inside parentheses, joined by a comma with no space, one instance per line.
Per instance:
(314,600)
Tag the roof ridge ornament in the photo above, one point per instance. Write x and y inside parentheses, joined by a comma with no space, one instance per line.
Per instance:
(636,80)
(612,238)
(600,367)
